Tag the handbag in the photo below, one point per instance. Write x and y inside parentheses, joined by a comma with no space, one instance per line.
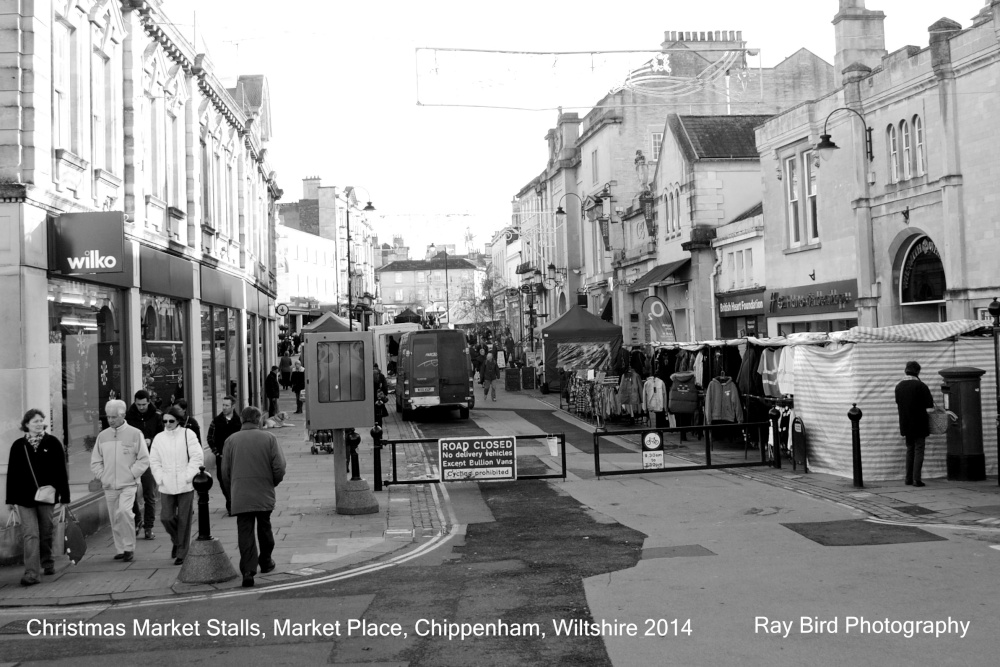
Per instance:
(74,542)
(938,419)
(11,537)
(45,494)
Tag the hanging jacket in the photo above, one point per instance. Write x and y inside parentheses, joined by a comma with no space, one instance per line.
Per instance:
(683,397)
(630,389)
(654,397)
(722,401)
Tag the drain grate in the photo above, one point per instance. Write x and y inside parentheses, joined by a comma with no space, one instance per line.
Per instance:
(853,533)
(913,510)
(685,551)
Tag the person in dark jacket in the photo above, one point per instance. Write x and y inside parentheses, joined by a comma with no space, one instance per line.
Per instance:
(913,399)
(225,424)
(272,390)
(143,416)
(381,394)
(285,368)
(298,385)
(37,459)
(253,465)
(490,373)
(187,421)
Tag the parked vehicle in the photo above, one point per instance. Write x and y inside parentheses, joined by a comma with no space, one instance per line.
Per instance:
(387,337)
(434,370)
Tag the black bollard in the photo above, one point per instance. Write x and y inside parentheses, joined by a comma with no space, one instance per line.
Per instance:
(202,482)
(353,440)
(774,414)
(377,438)
(854,414)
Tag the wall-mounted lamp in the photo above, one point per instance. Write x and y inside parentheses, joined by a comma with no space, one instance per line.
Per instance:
(826,145)
(559,208)
(906,215)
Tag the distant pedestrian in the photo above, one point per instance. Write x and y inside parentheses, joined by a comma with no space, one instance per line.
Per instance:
(285,368)
(224,425)
(272,391)
(253,465)
(119,459)
(36,460)
(187,421)
(490,373)
(143,416)
(381,394)
(298,385)
(913,399)
(175,460)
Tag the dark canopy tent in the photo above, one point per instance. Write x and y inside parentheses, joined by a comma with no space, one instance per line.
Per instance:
(578,326)
(328,323)
(406,316)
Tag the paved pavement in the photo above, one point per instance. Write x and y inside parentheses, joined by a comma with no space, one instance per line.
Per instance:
(313,540)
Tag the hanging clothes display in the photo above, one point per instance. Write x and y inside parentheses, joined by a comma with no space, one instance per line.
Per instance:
(654,400)
(683,396)
(630,393)
(768,370)
(722,401)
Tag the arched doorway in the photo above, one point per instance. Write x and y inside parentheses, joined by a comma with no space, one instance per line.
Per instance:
(922,283)
(562,303)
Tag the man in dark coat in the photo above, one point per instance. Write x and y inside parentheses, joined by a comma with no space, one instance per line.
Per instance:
(913,399)
(298,385)
(490,373)
(272,390)
(225,424)
(143,416)
(252,465)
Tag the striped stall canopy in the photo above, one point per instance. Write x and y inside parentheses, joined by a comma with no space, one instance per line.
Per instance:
(828,380)
(923,332)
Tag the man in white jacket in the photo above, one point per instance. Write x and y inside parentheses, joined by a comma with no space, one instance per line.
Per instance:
(174,461)
(118,459)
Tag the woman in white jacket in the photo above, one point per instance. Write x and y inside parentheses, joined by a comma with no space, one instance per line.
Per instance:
(175,458)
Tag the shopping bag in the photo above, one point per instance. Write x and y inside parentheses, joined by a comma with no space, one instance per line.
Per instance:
(59,531)
(937,420)
(76,543)
(11,537)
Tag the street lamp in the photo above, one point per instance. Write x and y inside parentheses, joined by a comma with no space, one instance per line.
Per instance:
(349,191)
(994,309)
(447,302)
(826,145)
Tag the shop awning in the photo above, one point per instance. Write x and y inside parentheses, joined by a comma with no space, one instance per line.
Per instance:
(658,274)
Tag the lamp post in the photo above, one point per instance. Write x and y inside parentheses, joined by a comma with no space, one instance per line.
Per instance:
(350,278)
(447,286)
(994,309)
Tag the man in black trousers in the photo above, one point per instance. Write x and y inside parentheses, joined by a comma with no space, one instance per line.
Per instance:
(913,399)
(225,424)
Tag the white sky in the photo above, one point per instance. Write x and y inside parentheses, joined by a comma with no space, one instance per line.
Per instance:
(343,81)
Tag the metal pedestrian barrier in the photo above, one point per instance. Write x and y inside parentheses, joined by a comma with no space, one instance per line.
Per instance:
(652,448)
(393,446)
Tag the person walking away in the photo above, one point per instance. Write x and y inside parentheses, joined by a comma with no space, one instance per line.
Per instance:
(490,374)
(143,416)
(36,460)
(272,391)
(298,385)
(381,394)
(224,425)
(913,399)
(175,460)
(252,465)
(187,421)
(285,369)
(119,459)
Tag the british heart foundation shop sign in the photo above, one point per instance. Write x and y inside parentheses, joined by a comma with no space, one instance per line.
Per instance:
(478,459)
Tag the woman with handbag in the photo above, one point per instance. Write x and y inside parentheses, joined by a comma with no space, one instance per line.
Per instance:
(175,458)
(36,482)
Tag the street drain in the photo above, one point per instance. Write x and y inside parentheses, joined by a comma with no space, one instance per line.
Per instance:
(853,533)
(685,551)
(913,510)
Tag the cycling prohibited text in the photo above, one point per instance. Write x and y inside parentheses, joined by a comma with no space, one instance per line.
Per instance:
(478,459)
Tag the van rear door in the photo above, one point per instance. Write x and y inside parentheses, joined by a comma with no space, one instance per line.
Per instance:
(453,368)
(425,374)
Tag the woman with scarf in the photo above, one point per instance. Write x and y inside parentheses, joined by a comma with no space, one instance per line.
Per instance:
(36,460)
(174,459)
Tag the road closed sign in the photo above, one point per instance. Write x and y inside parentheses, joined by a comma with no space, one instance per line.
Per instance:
(478,459)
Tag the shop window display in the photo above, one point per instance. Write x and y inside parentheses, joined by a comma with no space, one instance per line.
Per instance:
(162,327)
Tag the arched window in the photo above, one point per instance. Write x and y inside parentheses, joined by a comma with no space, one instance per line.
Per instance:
(904,133)
(892,143)
(922,278)
(920,164)
(670,212)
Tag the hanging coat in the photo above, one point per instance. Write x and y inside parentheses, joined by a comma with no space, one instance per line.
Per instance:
(683,397)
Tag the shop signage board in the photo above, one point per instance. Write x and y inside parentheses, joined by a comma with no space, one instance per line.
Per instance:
(478,459)
(743,305)
(85,243)
(659,324)
(652,450)
(813,299)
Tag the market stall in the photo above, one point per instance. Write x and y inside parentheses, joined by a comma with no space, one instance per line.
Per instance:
(578,340)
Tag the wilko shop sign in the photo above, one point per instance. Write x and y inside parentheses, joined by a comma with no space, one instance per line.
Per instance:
(822,298)
(478,459)
(85,243)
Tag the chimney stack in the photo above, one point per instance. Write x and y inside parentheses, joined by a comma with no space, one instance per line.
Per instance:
(310,187)
(860,35)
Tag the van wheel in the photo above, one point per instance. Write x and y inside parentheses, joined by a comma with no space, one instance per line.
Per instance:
(463,413)
(407,415)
